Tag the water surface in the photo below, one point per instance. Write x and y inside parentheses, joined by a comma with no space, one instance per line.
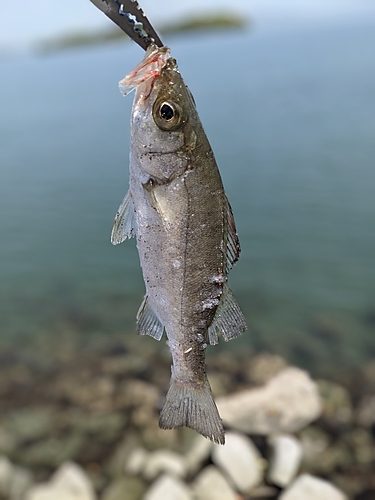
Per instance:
(291,118)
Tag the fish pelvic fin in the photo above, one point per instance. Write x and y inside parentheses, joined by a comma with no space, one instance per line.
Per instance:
(147,321)
(124,225)
(192,406)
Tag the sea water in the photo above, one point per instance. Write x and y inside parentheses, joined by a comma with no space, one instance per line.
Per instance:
(290,115)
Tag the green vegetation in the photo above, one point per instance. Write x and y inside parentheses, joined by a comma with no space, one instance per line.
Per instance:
(209,22)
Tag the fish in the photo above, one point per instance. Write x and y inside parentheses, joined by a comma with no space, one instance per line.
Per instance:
(186,237)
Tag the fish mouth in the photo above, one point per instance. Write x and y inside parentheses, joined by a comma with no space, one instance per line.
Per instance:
(143,76)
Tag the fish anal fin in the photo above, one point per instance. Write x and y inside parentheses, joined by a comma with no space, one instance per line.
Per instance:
(124,225)
(233,248)
(194,407)
(147,321)
(228,320)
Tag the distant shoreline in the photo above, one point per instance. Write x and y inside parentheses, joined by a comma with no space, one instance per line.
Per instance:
(204,22)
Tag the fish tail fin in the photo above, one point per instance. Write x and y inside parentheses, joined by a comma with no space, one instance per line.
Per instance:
(192,406)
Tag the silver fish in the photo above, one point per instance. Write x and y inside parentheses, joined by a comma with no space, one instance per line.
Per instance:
(186,237)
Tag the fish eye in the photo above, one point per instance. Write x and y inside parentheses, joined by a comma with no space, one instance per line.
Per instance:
(166,112)
(168,115)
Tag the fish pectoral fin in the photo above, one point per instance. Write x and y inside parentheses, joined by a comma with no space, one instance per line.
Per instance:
(233,248)
(228,319)
(147,321)
(124,225)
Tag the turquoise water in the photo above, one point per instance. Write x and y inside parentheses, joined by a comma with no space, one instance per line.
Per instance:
(291,118)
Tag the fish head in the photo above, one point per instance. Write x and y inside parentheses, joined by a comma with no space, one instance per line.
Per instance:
(163,122)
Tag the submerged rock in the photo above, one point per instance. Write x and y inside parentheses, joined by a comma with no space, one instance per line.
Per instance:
(287,403)
(308,487)
(240,460)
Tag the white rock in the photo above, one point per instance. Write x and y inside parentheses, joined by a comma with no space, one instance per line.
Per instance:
(286,459)
(68,483)
(287,403)
(240,459)
(6,472)
(73,478)
(136,461)
(168,488)
(164,461)
(308,487)
(198,452)
(212,485)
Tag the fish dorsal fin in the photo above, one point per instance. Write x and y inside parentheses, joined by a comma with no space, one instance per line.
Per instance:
(124,225)
(228,320)
(147,321)
(233,248)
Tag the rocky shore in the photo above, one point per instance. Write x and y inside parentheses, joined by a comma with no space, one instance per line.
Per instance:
(80,422)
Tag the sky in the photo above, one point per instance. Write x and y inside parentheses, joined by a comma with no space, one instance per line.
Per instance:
(43,19)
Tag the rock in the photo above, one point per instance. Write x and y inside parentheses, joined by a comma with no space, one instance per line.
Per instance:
(53,452)
(308,487)
(8,442)
(366,411)
(106,427)
(116,465)
(210,484)
(129,488)
(6,473)
(31,424)
(314,443)
(164,461)
(263,492)
(168,488)
(286,459)
(336,403)
(68,483)
(361,444)
(136,461)
(22,479)
(198,453)
(240,460)
(265,366)
(287,403)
